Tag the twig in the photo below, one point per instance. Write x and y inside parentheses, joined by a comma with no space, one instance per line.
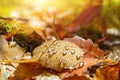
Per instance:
(9,18)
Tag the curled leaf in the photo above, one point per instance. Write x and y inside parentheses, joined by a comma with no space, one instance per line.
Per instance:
(109,72)
(91,49)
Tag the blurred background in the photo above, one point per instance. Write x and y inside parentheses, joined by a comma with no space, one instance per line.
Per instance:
(98,20)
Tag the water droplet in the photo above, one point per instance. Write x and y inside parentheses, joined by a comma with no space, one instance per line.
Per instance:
(64,75)
(50,54)
(47,62)
(71,67)
(47,45)
(72,52)
(60,60)
(81,64)
(50,49)
(64,53)
(64,62)
(66,48)
(55,43)
(12,44)
(78,57)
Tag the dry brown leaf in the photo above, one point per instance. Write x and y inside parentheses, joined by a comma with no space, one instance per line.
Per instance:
(77,78)
(80,71)
(25,70)
(91,49)
(10,50)
(109,72)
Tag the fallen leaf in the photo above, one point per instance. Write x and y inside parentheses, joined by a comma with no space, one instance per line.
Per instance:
(77,78)
(91,49)
(25,71)
(109,72)
(88,62)
(10,50)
